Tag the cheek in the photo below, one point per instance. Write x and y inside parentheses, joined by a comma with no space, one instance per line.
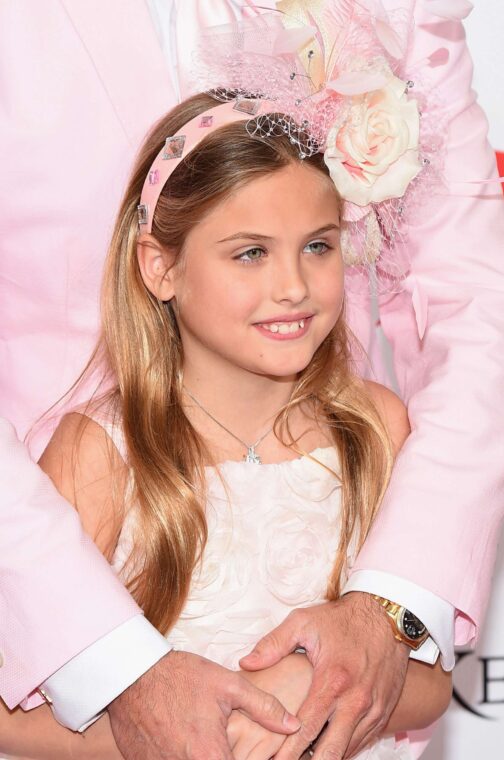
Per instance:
(197,286)
(215,295)
(330,290)
(242,299)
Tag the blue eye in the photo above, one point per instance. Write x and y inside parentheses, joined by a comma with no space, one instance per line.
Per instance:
(318,247)
(253,254)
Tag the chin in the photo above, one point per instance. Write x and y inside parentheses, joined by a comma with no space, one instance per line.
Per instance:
(286,369)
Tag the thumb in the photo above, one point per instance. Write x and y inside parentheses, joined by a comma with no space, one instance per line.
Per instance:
(273,647)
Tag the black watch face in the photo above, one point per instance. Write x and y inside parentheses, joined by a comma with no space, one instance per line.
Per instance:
(412,626)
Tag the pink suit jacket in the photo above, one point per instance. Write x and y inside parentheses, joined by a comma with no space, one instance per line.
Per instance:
(81,83)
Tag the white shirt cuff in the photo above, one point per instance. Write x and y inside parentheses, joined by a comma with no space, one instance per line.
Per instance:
(80,690)
(435,613)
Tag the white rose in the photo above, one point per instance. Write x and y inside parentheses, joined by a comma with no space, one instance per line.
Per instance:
(295,557)
(374,155)
(223,574)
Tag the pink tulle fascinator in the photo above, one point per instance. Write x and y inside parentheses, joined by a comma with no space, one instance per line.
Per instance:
(333,73)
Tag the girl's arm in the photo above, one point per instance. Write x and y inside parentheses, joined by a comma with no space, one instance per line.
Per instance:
(289,680)
(87,470)
(35,735)
(425,697)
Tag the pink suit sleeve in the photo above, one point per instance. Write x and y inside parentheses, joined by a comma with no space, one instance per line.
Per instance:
(439,524)
(69,134)
(49,574)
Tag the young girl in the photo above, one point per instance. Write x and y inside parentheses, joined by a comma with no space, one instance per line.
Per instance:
(235,464)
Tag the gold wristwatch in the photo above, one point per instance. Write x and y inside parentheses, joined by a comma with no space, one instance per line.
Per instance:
(405,625)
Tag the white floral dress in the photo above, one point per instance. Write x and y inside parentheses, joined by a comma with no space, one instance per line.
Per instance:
(272,534)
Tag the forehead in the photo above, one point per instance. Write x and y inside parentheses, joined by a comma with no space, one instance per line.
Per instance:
(294,198)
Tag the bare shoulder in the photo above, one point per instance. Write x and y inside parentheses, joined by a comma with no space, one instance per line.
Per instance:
(89,472)
(392,410)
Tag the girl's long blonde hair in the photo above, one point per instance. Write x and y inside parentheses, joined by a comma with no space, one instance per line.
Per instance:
(142,351)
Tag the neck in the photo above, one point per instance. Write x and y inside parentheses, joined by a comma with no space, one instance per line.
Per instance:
(244,402)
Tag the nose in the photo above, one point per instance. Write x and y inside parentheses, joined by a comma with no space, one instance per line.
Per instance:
(289,284)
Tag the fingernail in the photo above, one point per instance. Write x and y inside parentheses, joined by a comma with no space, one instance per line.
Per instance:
(290,721)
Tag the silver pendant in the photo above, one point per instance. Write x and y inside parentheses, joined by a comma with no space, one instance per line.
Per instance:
(252,457)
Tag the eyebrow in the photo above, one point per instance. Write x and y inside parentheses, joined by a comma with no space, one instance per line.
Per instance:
(256,236)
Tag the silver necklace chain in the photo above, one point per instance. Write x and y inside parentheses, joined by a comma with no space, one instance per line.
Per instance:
(251,456)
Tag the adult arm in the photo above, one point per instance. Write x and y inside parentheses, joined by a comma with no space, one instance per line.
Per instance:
(46,561)
(451,463)
(449,473)
(47,336)
(163,708)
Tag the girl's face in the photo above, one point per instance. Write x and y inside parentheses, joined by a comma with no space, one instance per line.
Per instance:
(259,284)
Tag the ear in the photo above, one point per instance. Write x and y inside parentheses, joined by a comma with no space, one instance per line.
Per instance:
(156,267)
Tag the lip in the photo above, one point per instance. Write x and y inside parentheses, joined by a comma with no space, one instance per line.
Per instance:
(288,336)
(286,318)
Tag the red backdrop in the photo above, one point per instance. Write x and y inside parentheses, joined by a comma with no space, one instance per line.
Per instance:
(500,164)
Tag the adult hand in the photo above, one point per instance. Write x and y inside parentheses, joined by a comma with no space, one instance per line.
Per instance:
(358,673)
(180,708)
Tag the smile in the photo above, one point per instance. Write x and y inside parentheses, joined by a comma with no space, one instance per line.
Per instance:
(285,329)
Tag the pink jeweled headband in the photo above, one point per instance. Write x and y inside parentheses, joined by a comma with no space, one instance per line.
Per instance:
(180,144)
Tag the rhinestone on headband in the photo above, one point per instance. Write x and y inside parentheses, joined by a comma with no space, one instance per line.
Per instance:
(143,213)
(174,147)
(153,177)
(206,121)
(251,107)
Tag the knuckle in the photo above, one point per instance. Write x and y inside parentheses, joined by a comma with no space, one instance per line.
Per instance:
(371,722)
(296,613)
(265,640)
(237,686)
(331,752)
(270,706)
(376,716)
(341,680)
(297,616)
(270,642)
(380,724)
(381,711)
(310,729)
(362,701)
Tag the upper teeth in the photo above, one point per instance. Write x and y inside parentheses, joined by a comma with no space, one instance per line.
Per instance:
(284,327)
